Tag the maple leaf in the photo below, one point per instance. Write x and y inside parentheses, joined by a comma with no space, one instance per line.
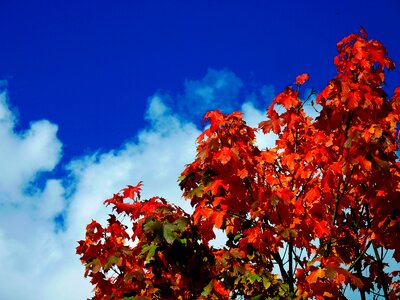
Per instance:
(289,98)
(216,119)
(216,186)
(313,194)
(266,126)
(301,79)
(220,290)
(224,155)
(243,173)
(94,231)
(321,228)
(132,191)
(315,275)
(219,219)
(272,124)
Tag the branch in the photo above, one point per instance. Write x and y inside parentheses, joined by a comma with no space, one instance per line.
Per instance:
(380,271)
(297,259)
(360,256)
(278,259)
(291,279)
(359,219)
(378,260)
(305,185)
(338,199)
(313,92)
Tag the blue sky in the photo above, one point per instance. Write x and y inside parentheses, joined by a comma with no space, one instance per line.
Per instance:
(99,94)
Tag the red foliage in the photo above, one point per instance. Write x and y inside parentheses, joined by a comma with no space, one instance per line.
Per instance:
(304,219)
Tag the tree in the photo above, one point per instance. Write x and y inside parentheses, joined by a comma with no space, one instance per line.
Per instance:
(316,214)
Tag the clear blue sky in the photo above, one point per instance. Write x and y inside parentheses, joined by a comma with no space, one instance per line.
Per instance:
(90,66)
(96,94)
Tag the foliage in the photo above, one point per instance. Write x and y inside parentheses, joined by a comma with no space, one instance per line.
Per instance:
(308,218)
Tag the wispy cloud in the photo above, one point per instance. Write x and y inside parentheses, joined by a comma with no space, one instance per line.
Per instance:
(218,89)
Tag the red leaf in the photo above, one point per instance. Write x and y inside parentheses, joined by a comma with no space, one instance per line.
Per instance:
(216,186)
(94,231)
(301,79)
(313,195)
(132,191)
(207,231)
(216,119)
(288,98)
(321,228)
(224,155)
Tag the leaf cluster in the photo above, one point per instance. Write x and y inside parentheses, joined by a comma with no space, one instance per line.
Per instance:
(308,218)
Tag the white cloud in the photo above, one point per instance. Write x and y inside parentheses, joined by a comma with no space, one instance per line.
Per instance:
(24,154)
(51,200)
(26,223)
(28,245)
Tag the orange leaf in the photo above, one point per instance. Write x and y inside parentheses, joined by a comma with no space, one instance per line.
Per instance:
(224,155)
(268,156)
(327,294)
(313,277)
(215,187)
(219,219)
(220,289)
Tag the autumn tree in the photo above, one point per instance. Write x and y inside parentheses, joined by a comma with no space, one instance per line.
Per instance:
(317,214)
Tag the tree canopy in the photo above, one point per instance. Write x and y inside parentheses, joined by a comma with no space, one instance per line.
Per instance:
(315,215)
